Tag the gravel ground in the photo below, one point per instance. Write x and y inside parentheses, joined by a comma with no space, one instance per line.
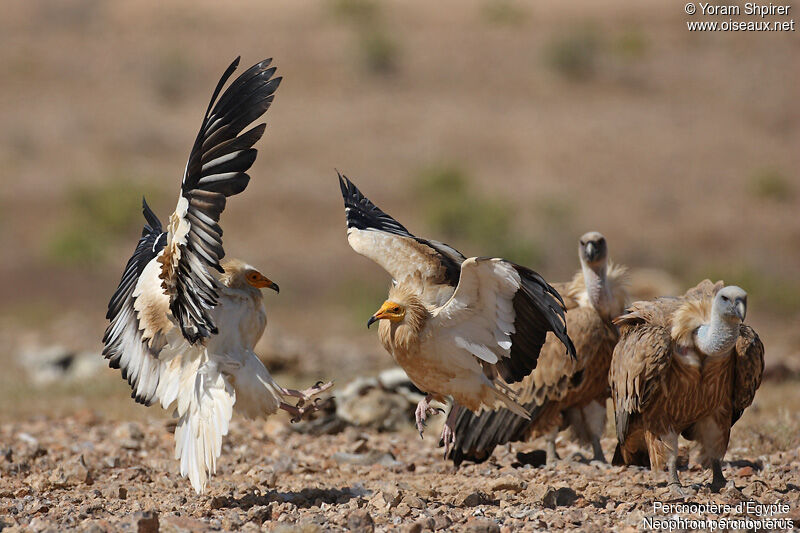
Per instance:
(89,474)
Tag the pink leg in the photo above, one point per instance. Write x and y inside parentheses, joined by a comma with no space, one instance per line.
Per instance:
(307,394)
(423,410)
(448,437)
(300,410)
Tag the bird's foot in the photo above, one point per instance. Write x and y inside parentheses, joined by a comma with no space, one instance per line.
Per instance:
(308,394)
(676,491)
(301,410)
(423,410)
(447,439)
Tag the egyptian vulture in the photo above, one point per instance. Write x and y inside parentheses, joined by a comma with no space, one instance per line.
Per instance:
(561,392)
(459,327)
(683,366)
(183,324)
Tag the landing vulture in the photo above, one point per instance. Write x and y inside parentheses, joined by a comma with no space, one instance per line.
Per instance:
(459,327)
(184,323)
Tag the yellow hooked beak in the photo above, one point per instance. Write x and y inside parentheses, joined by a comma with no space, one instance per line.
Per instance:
(260,281)
(390,311)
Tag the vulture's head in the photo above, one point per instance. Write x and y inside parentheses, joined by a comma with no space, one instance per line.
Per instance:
(391,311)
(593,250)
(402,307)
(239,275)
(730,304)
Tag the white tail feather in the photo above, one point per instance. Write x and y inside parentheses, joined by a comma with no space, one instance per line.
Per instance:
(203,421)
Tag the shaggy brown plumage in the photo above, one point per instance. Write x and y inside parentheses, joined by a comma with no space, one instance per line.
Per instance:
(664,384)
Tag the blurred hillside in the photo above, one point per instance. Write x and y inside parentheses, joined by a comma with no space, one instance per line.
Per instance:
(503,127)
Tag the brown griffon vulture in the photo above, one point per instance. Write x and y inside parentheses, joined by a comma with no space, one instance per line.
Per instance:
(183,323)
(561,392)
(683,366)
(459,327)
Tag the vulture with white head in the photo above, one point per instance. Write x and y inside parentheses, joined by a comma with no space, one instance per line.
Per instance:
(683,366)
(561,392)
(184,324)
(460,327)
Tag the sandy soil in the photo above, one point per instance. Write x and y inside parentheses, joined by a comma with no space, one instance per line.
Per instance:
(681,148)
(92,474)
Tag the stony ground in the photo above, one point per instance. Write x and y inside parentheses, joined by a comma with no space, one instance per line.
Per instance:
(91,474)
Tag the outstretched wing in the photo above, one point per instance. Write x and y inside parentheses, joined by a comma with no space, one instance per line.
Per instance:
(376,235)
(748,370)
(501,313)
(129,342)
(554,385)
(640,360)
(217,168)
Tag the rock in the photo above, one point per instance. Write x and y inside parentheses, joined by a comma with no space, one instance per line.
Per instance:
(359,446)
(403,510)
(376,408)
(474,499)
(441,522)
(129,436)
(96,526)
(58,364)
(508,483)
(372,457)
(146,522)
(182,524)
(535,458)
(415,527)
(387,499)
(39,524)
(37,482)
(303,526)
(420,525)
(481,525)
(260,513)
(360,521)
(746,471)
(562,496)
(414,502)
(755,489)
(218,502)
(71,473)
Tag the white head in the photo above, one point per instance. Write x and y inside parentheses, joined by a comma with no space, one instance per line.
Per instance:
(239,275)
(593,251)
(730,304)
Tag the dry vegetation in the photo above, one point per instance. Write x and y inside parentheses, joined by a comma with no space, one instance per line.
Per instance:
(546,119)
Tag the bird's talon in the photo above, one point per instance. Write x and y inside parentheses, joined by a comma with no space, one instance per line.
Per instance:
(677,490)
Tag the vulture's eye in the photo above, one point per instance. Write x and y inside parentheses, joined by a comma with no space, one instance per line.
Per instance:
(396,310)
(724,298)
